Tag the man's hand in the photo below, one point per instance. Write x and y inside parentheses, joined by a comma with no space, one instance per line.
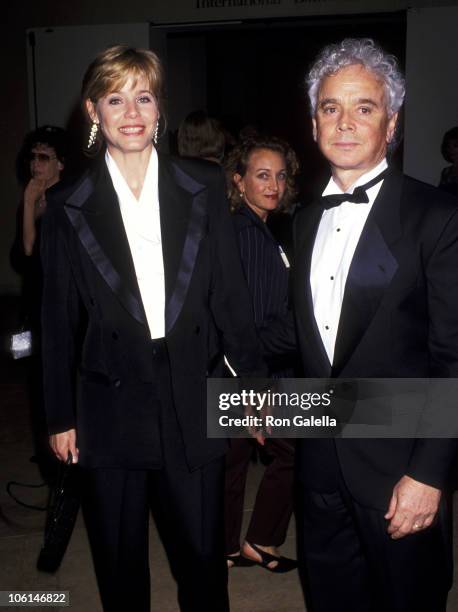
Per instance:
(63,442)
(413,506)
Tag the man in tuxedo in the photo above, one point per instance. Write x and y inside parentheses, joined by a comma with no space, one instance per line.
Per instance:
(375,294)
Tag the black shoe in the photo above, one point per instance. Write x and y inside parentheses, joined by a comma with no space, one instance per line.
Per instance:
(283,564)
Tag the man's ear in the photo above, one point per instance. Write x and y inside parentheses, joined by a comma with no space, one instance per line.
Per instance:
(90,107)
(391,127)
(314,130)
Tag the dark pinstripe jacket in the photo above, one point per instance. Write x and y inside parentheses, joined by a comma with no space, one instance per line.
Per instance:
(266,275)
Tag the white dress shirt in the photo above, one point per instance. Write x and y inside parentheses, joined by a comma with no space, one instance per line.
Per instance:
(143,228)
(335,244)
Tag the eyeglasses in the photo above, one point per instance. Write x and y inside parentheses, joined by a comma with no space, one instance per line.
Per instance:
(41,157)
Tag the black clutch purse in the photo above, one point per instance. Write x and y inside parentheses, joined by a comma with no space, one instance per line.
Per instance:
(63,507)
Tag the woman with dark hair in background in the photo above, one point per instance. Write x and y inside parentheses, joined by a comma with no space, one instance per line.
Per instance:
(144,244)
(260,174)
(449,149)
(41,163)
(201,136)
(47,151)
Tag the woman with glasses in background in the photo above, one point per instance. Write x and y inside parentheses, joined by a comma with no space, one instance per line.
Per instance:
(41,163)
(46,158)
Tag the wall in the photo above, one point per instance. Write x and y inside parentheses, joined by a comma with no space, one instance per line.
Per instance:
(19,16)
(432,88)
(61,58)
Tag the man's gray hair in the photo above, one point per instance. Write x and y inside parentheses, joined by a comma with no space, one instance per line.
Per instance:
(362,51)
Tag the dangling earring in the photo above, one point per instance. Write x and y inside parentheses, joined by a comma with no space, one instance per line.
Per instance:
(156,132)
(93,134)
(241,194)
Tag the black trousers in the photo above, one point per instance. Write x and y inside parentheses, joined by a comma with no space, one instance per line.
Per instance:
(190,523)
(350,564)
(274,500)
(188,507)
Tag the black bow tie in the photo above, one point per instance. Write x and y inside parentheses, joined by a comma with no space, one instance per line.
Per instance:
(359,196)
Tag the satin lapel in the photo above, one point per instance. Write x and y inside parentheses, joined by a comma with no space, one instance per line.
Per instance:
(94,212)
(372,269)
(183,204)
(307,227)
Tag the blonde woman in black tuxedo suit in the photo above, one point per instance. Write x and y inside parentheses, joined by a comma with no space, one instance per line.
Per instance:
(143,245)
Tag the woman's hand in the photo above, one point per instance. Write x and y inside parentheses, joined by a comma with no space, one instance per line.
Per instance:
(34,207)
(63,442)
(34,192)
(34,197)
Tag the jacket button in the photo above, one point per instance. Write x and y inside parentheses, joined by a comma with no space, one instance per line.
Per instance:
(92,301)
(197,329)
(117,383)
(115,335)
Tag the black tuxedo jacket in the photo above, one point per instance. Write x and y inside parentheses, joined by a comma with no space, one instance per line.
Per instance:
(399,318)
(91,291)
